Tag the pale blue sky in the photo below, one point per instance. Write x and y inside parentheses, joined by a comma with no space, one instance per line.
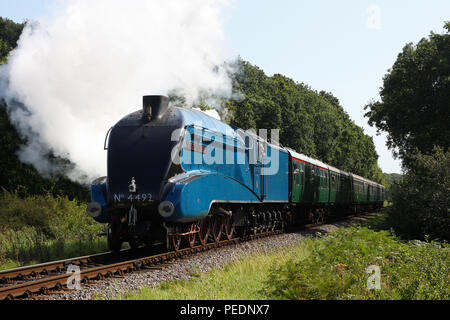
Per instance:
(338,46)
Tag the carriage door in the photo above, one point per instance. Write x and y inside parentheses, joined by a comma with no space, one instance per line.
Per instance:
(255,166)
(259,180)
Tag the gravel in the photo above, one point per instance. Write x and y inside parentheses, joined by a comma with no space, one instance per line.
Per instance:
(181,269)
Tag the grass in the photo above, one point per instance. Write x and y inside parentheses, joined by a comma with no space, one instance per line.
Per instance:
(24,251)
(44,228)
(337,268)
(332,266)
(239,280)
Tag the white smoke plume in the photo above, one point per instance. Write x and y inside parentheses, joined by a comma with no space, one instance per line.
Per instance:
(76,74)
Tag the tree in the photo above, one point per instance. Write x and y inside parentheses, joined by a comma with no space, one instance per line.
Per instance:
(422,197)
(9,35)
(243,114)
(415,112)
(309,122)
(415,98)
(4,50)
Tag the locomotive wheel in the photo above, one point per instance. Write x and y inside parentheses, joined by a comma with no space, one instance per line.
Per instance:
(241,231)
(176,239)
(205,229)
(229,227)
(267,222)
(217,229)
(192,236)
(176,242)
(134,245)
(114,242)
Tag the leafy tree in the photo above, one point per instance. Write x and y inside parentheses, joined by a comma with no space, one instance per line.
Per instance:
(4,50)
(415,112)
(243,114)
(309,122)
(9,35)
(415,98)
(421,199)
(10,31)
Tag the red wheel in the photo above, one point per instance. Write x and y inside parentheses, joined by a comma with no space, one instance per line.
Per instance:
(176,242)
(205,229)
(217,228)
(191,236)
(229,227)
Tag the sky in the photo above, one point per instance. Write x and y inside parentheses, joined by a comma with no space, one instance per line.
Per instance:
(343,47)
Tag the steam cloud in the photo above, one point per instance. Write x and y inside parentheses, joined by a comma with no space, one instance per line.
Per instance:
(75,75)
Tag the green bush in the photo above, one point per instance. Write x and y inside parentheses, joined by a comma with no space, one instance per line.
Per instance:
(336,266)
(43,227)
(422,198)
(57,217)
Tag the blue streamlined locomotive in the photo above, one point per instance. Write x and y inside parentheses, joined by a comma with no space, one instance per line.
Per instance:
(179,176)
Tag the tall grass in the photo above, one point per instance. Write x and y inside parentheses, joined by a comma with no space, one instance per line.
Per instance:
(332,266)
(45,228)
(239,280)
(336,268)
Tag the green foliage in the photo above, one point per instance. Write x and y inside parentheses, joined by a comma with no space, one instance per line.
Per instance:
(43,227)
(4,51)
(415,111)
(56,217)
(10,31)
(422,198)
(336,265)
(415,98)
(309,122)
(242,279)
(9,34)
(332,266)
(30,246)
(391,179)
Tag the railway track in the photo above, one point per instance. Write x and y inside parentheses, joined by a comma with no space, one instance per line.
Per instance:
(43,278)
(48,277)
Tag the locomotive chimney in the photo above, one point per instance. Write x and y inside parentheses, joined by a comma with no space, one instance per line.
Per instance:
(155,107)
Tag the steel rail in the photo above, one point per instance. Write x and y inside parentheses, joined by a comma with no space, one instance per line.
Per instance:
(45,268)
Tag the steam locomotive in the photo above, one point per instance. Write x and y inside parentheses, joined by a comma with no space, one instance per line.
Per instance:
(180,177)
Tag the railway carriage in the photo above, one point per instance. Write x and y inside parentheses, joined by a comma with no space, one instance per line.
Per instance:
(340,189)
(178,175)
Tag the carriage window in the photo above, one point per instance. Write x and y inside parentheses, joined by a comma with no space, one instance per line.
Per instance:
(296,172)
(301,176)
(247,142)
